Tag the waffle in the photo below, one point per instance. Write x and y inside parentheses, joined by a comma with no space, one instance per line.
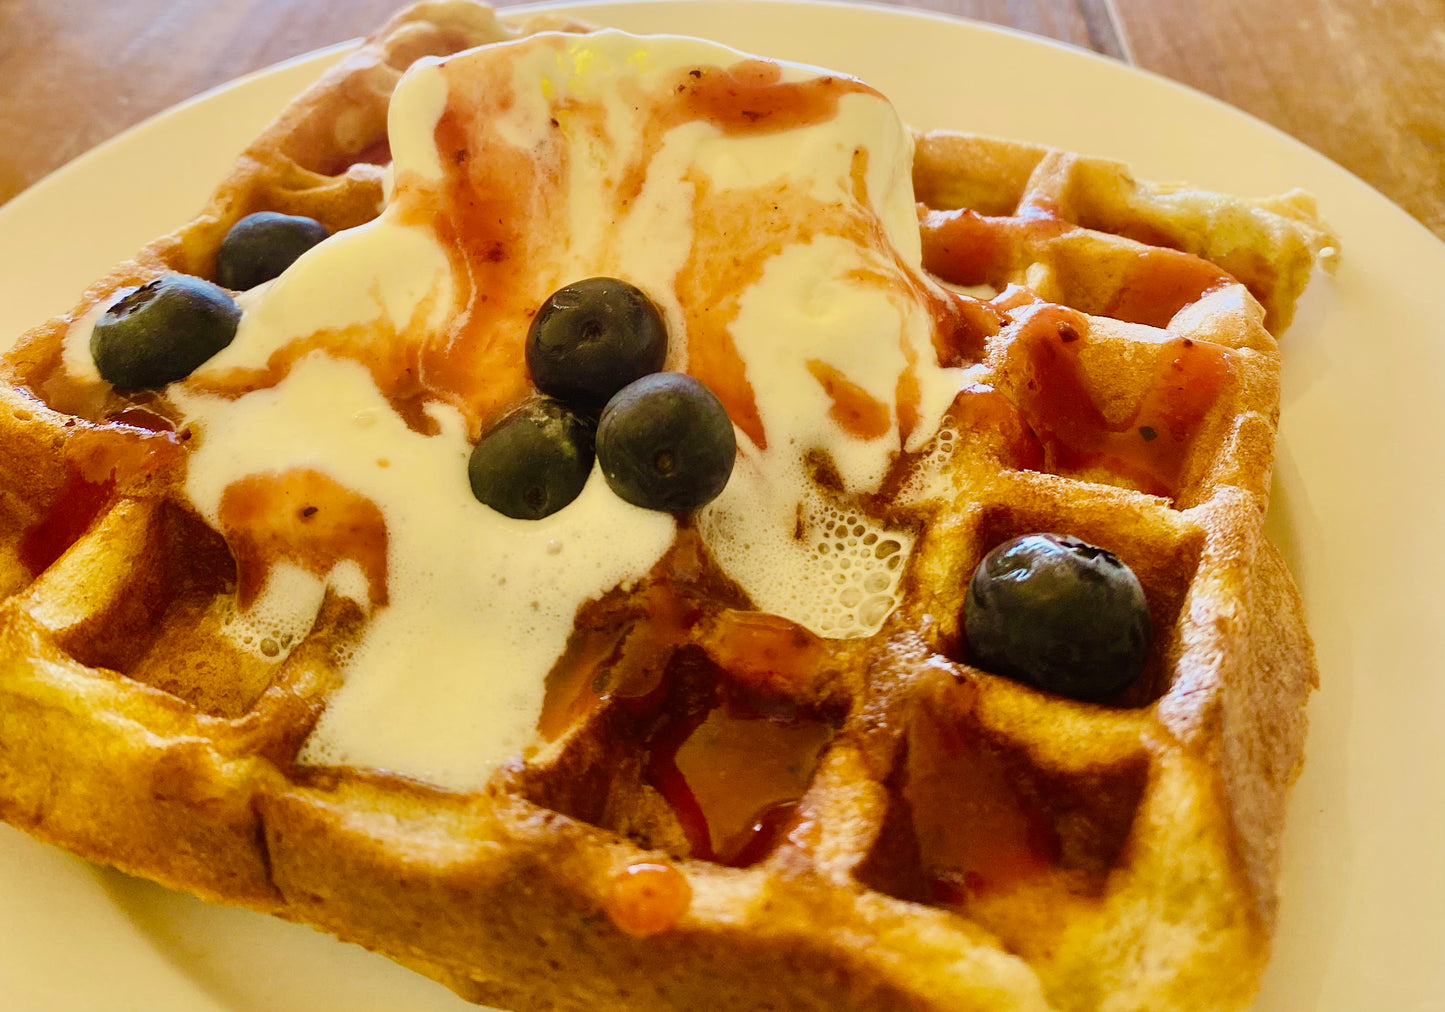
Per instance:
(869,822)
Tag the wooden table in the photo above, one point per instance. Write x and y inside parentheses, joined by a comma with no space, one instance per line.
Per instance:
(1362,81)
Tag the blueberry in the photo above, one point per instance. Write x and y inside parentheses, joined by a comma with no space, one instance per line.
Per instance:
(533,462)
(1059,614)
(260,246)
(162,332)
(591,339)
(665,442)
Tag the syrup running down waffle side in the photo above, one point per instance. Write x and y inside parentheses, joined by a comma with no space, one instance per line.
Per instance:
(755,768)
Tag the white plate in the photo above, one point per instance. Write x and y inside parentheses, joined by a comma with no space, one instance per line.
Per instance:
(1357,509)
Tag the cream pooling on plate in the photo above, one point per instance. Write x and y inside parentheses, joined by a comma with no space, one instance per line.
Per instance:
(768,211)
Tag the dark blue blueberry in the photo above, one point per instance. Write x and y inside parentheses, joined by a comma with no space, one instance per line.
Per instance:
(665,442)
(162,332)
(1059,614)
(592,338)
(260,246)
(533,462)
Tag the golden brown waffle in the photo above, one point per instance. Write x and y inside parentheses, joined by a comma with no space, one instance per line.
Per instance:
(928,836)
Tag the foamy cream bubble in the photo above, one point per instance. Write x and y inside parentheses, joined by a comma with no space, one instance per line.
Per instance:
(832,569)
(283,612)
(933,477)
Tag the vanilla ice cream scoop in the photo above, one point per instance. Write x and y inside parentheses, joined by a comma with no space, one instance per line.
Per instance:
(765,208)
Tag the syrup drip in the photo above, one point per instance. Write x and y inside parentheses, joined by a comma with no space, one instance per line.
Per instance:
(964,326)
(735,760)
(718,272)
(617,650)
(76,506)
(389,354)
(138,417)
(856,411)
(1159,283)
(648,898)
(731,754)
(578,682)
(964,247)
(1149,448)
(751,97)
(979,409)
(491,215)
(302,517)
(766,653)
(621,643)
(734,776)
(100,464)
(976,832)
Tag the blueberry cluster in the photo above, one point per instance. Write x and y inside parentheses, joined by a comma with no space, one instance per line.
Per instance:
(595,350)
(164,330)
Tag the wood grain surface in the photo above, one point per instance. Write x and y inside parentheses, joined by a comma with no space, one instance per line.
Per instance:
(1362,81)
